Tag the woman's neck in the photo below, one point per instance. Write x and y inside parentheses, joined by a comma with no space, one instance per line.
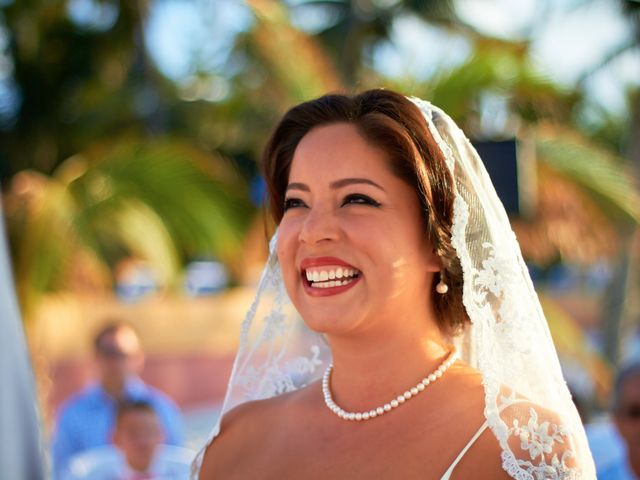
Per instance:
(372,369)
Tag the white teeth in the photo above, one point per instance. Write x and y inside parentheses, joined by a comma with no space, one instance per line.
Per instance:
(332,283)
(330,277)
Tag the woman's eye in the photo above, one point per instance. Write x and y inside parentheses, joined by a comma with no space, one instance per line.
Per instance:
(292,203)
(359,199)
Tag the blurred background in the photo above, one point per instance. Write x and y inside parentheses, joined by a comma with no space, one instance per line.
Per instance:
(131,131)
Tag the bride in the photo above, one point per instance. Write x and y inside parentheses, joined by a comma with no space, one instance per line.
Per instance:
(395,333)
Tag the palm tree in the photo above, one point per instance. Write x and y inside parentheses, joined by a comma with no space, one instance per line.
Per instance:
(104,159)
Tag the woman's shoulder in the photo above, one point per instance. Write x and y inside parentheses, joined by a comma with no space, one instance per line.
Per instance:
(475,451)
(513,408)
(519,435)
(534,439)
(244,433)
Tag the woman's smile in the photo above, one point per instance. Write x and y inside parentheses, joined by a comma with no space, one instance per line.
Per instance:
(326,276)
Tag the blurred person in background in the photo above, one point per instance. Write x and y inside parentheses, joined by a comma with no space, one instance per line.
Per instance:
(137,453)
(616,445)
(87,419)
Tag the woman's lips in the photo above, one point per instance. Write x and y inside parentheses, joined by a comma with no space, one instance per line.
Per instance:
(325,276)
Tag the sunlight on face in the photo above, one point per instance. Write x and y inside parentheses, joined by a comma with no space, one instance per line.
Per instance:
(346,211)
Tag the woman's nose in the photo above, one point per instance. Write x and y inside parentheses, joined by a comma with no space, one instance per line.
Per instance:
(319,225)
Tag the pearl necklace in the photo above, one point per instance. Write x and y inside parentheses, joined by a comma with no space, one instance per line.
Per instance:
(387,407)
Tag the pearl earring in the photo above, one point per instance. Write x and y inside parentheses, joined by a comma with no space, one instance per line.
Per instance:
(442,287)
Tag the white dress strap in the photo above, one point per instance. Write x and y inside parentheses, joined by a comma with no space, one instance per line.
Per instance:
(483,427)
(480,431)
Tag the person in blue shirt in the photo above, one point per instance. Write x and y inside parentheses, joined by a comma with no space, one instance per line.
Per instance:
(616,445)
(87,419)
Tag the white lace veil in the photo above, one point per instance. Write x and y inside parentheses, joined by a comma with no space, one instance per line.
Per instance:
(528,406)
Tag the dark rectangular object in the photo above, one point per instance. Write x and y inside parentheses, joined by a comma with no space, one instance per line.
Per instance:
(500,160)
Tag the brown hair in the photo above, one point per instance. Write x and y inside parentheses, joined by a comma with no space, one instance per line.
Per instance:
(394,124)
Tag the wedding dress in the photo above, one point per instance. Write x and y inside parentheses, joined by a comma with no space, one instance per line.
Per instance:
(528,407)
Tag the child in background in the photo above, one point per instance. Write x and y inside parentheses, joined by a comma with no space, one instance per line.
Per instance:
(138,454)
(138,435)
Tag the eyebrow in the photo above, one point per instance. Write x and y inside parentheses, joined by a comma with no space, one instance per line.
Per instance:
(343,182)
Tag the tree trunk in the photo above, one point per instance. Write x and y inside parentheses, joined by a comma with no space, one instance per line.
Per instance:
(618,322)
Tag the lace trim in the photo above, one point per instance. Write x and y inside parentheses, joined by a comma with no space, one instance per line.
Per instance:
(547,445)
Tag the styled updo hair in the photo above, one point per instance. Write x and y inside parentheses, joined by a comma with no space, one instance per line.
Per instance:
(396,125)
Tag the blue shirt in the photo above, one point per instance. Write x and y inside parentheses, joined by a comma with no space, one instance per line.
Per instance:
(609,451)
(617,471)
(87,420)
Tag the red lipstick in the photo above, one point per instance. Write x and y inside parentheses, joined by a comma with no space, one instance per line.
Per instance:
(322,261)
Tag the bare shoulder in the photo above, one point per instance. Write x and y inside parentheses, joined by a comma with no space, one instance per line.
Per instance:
(242,432)
(536,438)
(477,446)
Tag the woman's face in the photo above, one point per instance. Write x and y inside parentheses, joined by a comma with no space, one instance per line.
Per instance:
(352,243)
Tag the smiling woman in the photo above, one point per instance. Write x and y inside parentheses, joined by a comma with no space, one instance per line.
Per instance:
(395,269)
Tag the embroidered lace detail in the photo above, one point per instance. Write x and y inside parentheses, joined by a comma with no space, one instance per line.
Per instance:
(541,448)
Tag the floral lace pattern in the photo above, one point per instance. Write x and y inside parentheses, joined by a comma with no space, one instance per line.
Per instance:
(543,447)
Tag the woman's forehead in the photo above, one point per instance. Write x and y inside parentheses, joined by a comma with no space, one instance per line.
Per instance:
(337,150)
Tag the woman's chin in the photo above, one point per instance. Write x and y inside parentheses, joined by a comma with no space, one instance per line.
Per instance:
(330,324)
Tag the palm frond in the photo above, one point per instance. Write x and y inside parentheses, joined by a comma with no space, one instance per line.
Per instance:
(595,170)
(297,60)
(162,202)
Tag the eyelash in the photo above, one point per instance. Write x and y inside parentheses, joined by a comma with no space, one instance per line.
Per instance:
(354,199)
(360,200)
(289,203)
